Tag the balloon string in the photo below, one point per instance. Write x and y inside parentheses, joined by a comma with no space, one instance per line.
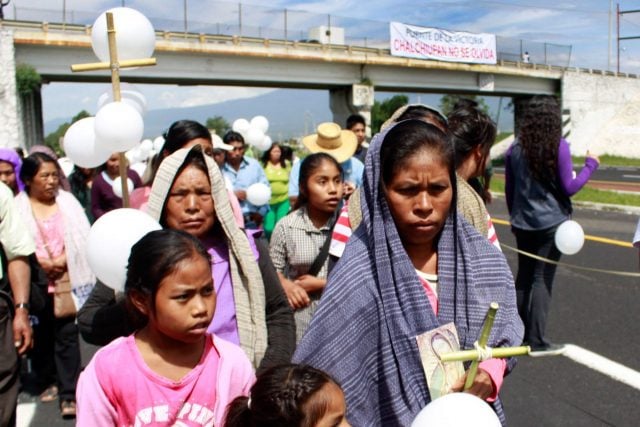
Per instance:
(575,267)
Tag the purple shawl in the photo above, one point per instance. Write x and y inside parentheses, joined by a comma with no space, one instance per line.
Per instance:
(9,155)
(363,333)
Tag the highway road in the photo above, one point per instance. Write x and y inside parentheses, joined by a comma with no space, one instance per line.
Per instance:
(596,312)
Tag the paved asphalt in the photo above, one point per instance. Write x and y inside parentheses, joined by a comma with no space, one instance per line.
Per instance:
(595,311)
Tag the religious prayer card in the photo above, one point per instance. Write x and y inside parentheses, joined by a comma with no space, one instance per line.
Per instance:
(440,376)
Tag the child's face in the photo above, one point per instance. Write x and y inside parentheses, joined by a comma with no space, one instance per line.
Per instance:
(335,415)
(325,187)
(185,301)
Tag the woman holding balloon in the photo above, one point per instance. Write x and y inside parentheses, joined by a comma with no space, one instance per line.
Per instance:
(539,183)
(103,197)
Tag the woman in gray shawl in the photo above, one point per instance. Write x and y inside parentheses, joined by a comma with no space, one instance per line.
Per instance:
(410,267)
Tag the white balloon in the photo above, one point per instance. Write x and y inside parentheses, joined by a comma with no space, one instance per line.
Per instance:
(258,194)
(146,146)
(158,143)
(116,186)
(129,96)
(119,126)
(241,126)
(254,136)
(569,237)
(260,122)
(135,36)
(81,145)
(457,409)
(110,240)
(265,144)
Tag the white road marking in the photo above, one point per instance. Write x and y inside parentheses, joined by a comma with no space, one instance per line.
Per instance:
(25,414)
(603,365)
(631,176)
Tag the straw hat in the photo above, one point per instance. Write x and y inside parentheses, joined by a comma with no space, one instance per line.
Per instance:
(331,139)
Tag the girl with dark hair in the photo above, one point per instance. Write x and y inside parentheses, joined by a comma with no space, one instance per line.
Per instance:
(103,199)
(538,187)
(277,170)
(170,371)
(290,396)
(60,229)
(299,238)
(412,266)
(472,133)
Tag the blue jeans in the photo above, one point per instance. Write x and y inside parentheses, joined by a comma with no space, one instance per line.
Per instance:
(534,282)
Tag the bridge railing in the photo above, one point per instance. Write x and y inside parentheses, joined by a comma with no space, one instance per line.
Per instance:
(245,20)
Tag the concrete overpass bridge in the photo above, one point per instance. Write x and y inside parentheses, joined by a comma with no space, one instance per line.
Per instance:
(200,59)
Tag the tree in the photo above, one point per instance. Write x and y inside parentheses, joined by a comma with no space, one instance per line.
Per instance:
(381,111)
(54,139)
(219,124)
(448,101)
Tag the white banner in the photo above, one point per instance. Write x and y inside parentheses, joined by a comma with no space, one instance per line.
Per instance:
(433,43)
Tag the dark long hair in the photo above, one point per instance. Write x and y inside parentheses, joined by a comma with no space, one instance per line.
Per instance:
(470,127)
(281,397)
(154,257)
(266,155)
(308,166)
(540,134)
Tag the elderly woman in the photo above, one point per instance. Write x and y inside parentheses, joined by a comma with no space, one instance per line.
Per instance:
(60,229)
(189,194)
(412,266)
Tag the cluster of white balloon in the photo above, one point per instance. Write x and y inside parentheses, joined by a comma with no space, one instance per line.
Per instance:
(455,410)
(254,132)
(117,127)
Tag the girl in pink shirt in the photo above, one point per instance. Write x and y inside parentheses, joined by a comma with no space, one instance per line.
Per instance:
(171,371)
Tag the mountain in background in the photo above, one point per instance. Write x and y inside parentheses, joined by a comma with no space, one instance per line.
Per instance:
(291,113)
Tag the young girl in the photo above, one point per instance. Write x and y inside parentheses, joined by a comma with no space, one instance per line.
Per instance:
(170,372)
(299,238)
(291,396)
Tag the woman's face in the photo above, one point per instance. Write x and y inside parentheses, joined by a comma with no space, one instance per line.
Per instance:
(113,165)
(324,187)
(275,154)
(8,175)
(207,145)
(185,301)
(189,205)
(419,197)
(44,185)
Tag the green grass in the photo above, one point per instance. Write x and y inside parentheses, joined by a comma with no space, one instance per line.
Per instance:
(609,160)
(586,195)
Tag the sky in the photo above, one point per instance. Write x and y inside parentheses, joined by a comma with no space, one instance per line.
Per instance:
(582,25)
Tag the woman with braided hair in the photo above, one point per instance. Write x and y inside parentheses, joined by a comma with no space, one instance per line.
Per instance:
(539,184)
(290,396)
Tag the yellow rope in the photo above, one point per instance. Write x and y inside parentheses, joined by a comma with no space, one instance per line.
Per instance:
(575,267)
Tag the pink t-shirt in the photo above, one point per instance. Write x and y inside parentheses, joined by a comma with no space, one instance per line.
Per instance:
(117,388)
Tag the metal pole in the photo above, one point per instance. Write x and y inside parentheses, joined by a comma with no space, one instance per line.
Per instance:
(285,25)
(545,54)
(618,38)
(609,43)
(240,19)
(186,25)
(64,13)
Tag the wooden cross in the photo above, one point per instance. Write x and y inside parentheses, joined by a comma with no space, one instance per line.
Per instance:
(476,355)
(114,65)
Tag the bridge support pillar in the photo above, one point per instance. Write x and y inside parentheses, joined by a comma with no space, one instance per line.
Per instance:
(357,99)
(11,129)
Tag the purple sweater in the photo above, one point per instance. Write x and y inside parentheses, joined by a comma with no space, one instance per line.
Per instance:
(568,184)
(103,199)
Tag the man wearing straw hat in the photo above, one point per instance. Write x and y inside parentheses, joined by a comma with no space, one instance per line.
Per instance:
(341,144)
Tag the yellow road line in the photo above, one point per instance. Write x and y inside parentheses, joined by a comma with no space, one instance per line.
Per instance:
(587,237)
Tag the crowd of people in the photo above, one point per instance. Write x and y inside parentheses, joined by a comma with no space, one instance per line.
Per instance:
(303,311)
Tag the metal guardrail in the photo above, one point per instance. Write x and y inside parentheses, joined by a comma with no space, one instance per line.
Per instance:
(238,40)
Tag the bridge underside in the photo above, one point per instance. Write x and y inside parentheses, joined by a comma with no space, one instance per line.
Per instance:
(292,69)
